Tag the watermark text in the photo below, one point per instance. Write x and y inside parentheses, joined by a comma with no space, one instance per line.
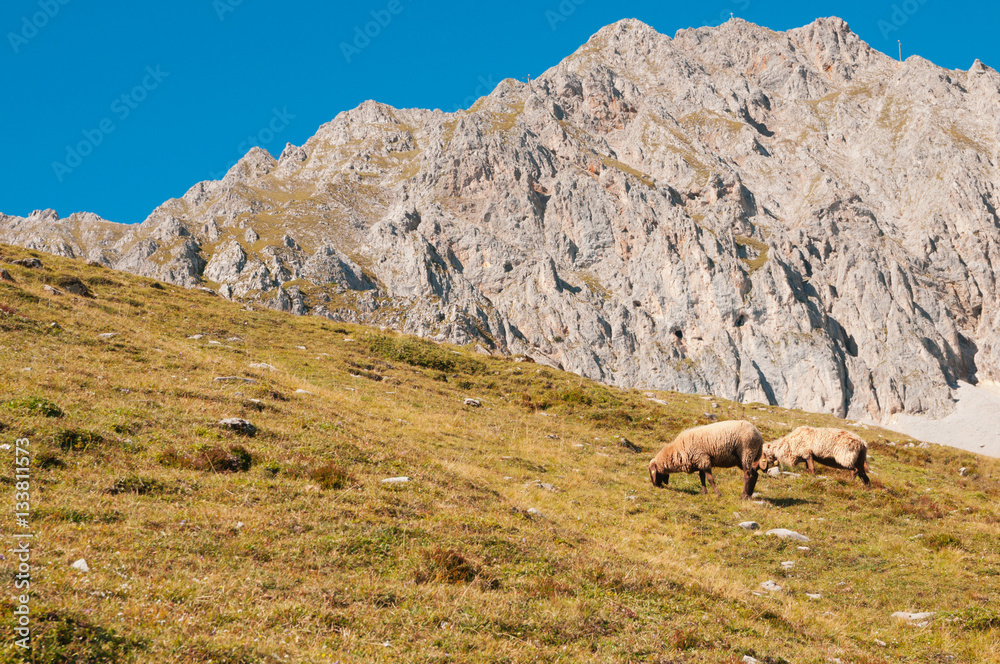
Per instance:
(30,25)
(121,108)
(22,553)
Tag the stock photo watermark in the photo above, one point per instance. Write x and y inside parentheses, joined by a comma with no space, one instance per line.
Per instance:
(486,85)
(562,12)
(22,552)
(31,24)
(280,119)
(223,7)
(122,108)
(900,14)
(369,31)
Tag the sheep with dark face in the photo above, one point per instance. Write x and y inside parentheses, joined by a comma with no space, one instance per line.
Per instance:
(719,445)
(836,448)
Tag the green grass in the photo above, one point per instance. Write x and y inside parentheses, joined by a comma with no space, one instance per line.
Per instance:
(296,551)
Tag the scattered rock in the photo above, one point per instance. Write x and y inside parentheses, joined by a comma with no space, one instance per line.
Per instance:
(475,403)
(533,512)
(75,286)
(234,339)
(813,595)
(81,565)
(301,347)
(33,263)
(774,472)
(56,326)
(396,480)
(107,335)
(802,548)
(239,425)
(233,379)
(880,643)
(196,336)
(963,472)
(214,343)
(770,586)
(747,659)
(207,290)
(541,485)
(628,445)
(53,291)
(5,275)
(482,351)
(913,617)
(301,391)
(749,525)
(239,525)
(788,564)
(784,533)
(260,365)
(710,416)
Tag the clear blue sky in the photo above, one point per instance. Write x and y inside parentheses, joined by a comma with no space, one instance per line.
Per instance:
(161,95)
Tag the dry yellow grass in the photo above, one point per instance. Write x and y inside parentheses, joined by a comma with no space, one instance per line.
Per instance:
(308,557)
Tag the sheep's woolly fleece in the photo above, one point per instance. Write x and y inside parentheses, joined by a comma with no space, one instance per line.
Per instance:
(844,447)
(719,445)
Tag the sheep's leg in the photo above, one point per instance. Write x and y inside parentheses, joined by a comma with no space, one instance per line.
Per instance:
(712,480)
(860,472)
(810,466)
(749,482)
(704,489)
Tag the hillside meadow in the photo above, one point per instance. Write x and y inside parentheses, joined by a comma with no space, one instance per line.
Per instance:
(528,531)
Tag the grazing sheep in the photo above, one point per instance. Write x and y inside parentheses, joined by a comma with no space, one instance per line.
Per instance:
(722,445)
(831,447)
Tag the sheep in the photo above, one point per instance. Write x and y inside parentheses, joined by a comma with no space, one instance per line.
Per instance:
(831,447)
(722,445)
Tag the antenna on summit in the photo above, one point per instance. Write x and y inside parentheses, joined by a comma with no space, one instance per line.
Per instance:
(900,49)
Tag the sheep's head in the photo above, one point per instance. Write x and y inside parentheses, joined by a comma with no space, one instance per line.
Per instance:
(768,458)
(657,476)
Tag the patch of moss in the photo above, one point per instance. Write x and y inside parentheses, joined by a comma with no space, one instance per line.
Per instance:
(34,406)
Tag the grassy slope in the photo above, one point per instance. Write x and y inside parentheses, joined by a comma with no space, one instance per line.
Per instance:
(330,564)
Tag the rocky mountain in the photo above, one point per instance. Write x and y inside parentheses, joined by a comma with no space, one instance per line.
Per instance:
(791,218)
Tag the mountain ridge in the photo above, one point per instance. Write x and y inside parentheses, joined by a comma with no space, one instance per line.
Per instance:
(761,215)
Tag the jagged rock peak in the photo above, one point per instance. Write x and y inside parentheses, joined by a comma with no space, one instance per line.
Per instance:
(47,214)
(256,163)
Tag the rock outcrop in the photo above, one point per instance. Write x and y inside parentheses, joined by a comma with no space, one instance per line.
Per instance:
(789,218)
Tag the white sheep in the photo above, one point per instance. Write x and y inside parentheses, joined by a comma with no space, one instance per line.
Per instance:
(720,445)
(831,447)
